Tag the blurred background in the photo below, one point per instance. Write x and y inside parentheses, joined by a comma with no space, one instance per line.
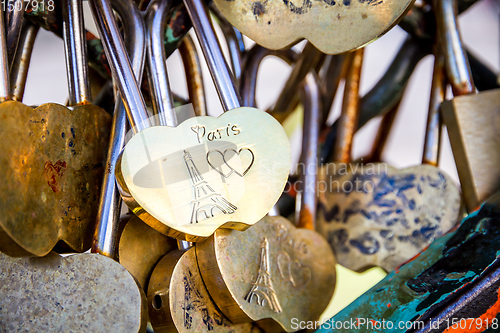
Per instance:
(480,28)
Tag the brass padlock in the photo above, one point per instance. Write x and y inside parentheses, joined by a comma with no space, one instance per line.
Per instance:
(375,215)
(52,161)
(332,26)
(215,167)
(263,273)
(472,119)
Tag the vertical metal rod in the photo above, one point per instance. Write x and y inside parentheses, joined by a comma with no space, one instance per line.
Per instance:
(348,121)
(76,53)
(156,21)
(13,23)
(120,64)
(20,65)
(221,74)
(107,227)
(4,69)
(194,77)
(457,64)
(433,127)
(306,205)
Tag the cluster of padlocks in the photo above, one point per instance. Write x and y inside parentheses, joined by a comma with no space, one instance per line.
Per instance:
(211,241)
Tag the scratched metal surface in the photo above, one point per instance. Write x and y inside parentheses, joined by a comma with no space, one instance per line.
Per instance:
(52,164)
(435,279)
(381,216)
(332,26)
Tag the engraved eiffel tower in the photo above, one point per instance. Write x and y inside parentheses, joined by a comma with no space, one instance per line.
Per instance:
(262,288)
(205,198)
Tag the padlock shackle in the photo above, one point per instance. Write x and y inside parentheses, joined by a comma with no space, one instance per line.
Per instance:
(75,53)
(254,57)
(305,211)
(107,229)
(348,120)
(457,64)
(20,65)
(234,41)
(4,69)
(13,23)
(308,59)
(221,75)
(432,137)
(120,64)
(161,94)
(194,77)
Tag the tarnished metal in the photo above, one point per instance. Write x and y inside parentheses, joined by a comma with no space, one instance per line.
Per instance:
(14,14)
(332,27)
(350,109)
(5,93)
(53,165)
(382,135)
(51,20)
(472,120)
(334,69)
(196,195)
(22,60)
(386,93)
(453,286)
(261,274)
(308,59)
(107,225)
(52,159)
(438,94)
(141,248)
(373,214)
(270,273)
(179,302)
(221,75)
(79,293)
(194,77)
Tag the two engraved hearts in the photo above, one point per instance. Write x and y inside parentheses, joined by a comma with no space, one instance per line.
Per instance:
(228,166)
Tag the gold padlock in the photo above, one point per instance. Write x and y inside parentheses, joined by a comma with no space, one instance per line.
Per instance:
(52,160)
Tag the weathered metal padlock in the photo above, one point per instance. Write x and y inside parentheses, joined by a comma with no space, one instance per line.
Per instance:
(472,119)
(216,168)
(452,286)
(274,272)
(78,293)
(52,161)
(332,26)
(375,215)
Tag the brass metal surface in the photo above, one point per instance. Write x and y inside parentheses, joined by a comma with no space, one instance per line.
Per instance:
(376,215)
(207,173)
(473,124)
(178,300)
(332,26)
(373,214)
(348,121)
(78,293)
(141,247)
(194,77)
(270,273)
(52,163)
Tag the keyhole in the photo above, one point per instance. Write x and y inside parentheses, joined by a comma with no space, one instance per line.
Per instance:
(157,302)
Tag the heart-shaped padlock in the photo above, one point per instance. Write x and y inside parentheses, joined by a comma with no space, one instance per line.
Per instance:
(193,198)
(79,293)
(332,26)
(261,274)
(376,215)
(52,162)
